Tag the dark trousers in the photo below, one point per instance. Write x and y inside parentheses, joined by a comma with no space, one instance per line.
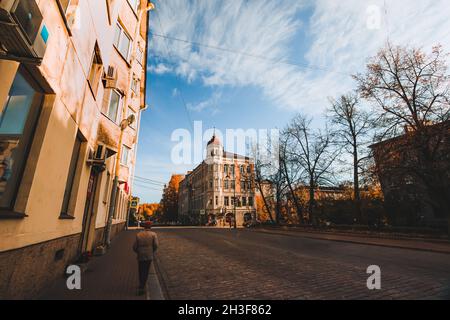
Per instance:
(144,269)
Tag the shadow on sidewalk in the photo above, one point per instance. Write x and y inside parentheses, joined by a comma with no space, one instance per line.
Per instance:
(113,276)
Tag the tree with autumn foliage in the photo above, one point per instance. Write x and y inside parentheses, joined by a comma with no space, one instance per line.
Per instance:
(148,211)
(169,201)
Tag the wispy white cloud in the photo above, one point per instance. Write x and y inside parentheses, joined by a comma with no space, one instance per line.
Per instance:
(210,104)
(160,68)
(340,33)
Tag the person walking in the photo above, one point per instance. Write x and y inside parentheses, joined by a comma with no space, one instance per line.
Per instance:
(145,245)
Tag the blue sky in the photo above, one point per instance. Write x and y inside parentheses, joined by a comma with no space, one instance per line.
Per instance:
(279,57)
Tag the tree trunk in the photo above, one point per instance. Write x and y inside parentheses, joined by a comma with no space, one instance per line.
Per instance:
(311,203)
(265,202)
(357,195)
(298,208)
(278,207)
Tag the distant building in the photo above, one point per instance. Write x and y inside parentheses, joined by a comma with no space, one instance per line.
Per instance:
(220,187)
(409,190)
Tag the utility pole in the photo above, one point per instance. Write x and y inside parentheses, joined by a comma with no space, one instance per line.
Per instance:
(112,206)
(234,197)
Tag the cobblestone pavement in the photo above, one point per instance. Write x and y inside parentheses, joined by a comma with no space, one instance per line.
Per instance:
(202,263)
(113,276)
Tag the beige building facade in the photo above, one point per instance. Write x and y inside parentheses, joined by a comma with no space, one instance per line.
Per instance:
(220,191)
(60,114)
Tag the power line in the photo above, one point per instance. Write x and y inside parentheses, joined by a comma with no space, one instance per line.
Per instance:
(149,180)
(147,187)
(250,55)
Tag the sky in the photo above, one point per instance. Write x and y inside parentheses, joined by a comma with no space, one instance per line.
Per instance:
(254,64)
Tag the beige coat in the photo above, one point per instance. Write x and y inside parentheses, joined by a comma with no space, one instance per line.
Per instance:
(145,245)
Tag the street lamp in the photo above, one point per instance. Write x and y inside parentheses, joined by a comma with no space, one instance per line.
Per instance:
(112,207)
(234,198)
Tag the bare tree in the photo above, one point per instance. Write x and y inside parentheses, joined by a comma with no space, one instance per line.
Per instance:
(411,90)
(270,178)
(312,150)
(351,127)
(291,171)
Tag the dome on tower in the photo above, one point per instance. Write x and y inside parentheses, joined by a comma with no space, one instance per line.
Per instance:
(214,140)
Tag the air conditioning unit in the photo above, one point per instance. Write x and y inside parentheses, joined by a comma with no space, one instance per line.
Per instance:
(100,153)
(110,78)
(24,36)
(97,158)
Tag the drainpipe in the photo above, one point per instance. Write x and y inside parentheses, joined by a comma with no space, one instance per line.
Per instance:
(112,206)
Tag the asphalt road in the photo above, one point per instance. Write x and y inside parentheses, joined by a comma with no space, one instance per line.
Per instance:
(205,263)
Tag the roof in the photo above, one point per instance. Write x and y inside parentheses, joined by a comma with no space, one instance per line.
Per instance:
(231,155)
(214,140)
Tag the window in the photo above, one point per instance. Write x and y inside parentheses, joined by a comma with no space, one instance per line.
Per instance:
(135,84)
(250,201)
(226,184)
(115,104)
(71,176)
(233,184)
(122,42)
(242,185)
(244,201)
(226,201)
(124,159)
(68,9)
(225,168)
(217,200)
(95,74)
(134,4)
(64,4)
(140,55)
(18,117)
(232,201)
(242,169)
(248,169)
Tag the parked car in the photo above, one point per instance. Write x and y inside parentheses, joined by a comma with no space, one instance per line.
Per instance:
(251,224)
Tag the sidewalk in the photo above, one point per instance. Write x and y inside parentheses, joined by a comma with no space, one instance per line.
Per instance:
(113,276)
(440,246)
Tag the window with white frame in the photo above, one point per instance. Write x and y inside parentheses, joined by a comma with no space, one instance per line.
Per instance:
(134,4)
(125,157)
(140,55)
(135,84)
(115,104)
(122,41)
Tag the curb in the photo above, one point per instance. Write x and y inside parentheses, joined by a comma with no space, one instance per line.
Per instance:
(397,246)
(154,291)
(158,280)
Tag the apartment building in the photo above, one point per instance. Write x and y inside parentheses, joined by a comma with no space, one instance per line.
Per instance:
(72,71)
(220,191)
